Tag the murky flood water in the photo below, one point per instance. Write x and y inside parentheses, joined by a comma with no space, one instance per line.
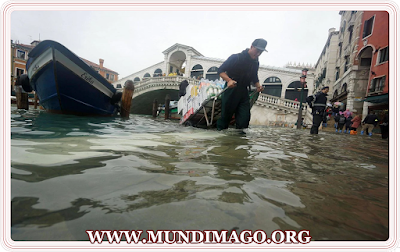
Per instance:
(71,174)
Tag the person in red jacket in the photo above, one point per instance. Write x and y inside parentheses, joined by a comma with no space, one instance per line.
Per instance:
(356,121)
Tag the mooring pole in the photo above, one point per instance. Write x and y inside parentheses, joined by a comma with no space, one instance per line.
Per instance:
(126,100)
(155,108)
(22,98)
(36,101)
(167,100)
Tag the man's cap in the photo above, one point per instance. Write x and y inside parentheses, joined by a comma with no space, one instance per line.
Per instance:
(326,87)
(260,44)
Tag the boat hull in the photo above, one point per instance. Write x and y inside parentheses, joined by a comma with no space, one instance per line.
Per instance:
(65,84)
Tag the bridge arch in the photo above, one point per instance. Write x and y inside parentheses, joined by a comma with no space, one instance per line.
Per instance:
(176,61)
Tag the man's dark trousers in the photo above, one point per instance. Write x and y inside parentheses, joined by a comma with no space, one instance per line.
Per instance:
(235,101)
(318,117)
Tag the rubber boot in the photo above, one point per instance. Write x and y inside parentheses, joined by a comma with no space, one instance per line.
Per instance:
(362,132)
(336,130)
(340,131)
(370,134)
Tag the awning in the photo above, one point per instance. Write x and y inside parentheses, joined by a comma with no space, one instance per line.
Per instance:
(377,99)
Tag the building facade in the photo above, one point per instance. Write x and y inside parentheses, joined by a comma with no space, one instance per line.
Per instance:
(373,54)
(110,75)
(350,79)
(19,57)
(362,62)
(325,68)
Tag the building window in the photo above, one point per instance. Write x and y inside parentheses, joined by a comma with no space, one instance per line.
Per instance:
(343,27)
(350,33)
(337,74)
(20,71)
(272,80)
(157,72)
(212,73)
(20,54)
(197,72)
(377,84)
(346,64)
(344,88)
(107,76)
(119,86)
(368,24)
(383,55)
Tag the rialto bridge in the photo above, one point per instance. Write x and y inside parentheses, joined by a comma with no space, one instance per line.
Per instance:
(279,102)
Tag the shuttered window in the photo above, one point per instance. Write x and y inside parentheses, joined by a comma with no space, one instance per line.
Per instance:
(368,24)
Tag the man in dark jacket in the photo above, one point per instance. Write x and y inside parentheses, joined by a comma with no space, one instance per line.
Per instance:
(369,123)
(318,104)
(239,71)
(182,87)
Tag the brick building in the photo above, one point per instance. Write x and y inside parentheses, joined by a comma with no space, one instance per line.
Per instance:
(373,53)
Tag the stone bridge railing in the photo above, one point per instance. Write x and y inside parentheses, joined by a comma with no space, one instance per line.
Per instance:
(279,103)
(163,82)
(285,105)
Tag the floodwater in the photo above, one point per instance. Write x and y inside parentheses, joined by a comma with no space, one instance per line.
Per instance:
(71,174)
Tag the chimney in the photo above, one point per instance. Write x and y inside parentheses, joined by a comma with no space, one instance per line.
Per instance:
(101,63)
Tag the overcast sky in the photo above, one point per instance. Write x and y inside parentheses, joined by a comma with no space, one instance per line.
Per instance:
(130,41)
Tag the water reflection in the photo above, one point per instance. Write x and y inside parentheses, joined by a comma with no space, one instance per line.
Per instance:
(70,174)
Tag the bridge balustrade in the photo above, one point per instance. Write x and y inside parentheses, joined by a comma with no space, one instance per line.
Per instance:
(283,103)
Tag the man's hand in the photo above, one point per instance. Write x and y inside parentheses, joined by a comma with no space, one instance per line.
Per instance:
(260,88)
(231,83)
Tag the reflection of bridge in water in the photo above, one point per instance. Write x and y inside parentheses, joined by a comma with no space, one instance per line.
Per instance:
(276,104)
(267,110)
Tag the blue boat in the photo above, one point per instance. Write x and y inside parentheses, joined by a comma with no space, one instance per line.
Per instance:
(65,84)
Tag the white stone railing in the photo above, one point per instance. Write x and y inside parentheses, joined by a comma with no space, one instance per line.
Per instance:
(283,103)
(162,82)
(163,79)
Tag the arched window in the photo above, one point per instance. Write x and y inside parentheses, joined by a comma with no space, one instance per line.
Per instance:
(147,75)
(197,72)
(136,79)
(335,94)
(272,86)
(212,73)
(272,80)
(293,91)
(344,88)
(157,72)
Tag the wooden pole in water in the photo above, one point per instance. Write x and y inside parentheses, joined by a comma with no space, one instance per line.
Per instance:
(167,100)
(22,98)
(155,108)
(126,100)
(36,101)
